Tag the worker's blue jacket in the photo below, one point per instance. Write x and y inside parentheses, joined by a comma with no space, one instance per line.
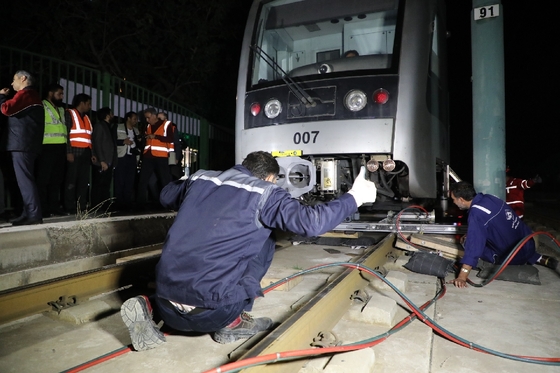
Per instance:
(224,221)
(493,232)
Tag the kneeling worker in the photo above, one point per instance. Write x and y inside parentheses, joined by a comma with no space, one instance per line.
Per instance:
(494,230)
(220,247)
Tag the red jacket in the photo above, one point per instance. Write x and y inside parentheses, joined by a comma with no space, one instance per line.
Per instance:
(26,121)
(515,190)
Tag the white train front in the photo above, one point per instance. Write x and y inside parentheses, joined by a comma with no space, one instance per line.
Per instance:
(330,85)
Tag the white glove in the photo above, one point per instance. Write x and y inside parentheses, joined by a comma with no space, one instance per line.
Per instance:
(363,190)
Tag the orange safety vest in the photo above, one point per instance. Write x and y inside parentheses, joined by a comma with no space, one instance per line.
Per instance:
(159,148)
(80,133)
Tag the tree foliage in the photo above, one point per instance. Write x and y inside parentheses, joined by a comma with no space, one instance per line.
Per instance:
(181,49)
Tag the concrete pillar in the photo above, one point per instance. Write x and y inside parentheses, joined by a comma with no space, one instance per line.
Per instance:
(487,41)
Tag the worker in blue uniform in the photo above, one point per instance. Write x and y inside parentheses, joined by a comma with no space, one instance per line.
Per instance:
(221,245)
(494,230)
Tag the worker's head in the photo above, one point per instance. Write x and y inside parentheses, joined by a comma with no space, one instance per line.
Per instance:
(22,79)
(462,194)
(131,118)
(55,93)
(162,115)
(262,165)
(151,115)
(105,114)
(351,53)
(82,102)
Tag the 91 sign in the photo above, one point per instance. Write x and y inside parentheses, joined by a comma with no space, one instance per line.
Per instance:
(488,11)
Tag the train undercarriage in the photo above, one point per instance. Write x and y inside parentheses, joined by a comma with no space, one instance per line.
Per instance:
(319,179)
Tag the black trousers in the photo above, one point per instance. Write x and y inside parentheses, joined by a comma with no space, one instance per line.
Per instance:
(50,168)
(24,167)
(101,188)
(76,183)
(124,176)
(151,165)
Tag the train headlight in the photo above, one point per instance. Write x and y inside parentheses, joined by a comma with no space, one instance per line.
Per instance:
(389,165)
(255,108)
(355,100)
(372,165)
(272,109)
(381,96)
(325,69)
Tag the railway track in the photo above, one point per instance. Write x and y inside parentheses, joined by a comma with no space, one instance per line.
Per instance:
(70,290)
(325,310)
(320,314)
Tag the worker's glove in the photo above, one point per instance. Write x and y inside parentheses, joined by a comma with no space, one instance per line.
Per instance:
(537,179)
(363,190)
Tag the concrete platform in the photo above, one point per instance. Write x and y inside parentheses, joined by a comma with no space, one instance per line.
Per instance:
(63,246)
(507,317)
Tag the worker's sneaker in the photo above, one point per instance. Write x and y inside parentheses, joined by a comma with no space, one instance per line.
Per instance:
(137,315)
(243,327)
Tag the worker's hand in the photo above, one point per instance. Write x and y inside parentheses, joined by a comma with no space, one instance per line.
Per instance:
(537,179)
(363,190)
(70,157)
(4,91)
(460,283)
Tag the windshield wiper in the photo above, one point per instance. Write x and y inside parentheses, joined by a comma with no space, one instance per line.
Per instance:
(293,86)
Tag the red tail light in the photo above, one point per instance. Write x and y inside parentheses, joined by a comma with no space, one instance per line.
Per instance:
(380,96)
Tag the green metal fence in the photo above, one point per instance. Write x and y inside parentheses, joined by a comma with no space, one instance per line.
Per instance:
(211,144)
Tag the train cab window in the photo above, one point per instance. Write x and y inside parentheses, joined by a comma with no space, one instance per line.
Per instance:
(294,37)
(328,55)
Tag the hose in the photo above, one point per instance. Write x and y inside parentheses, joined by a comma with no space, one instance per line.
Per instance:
(511,255)
(417,312)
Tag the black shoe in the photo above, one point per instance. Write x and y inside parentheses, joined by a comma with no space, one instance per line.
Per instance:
(27,221)
(137,316)
(17,220)
(247,327)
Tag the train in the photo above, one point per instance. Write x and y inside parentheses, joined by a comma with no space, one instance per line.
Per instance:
(329,86)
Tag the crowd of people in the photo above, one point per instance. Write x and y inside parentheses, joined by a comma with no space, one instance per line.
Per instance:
(66,163)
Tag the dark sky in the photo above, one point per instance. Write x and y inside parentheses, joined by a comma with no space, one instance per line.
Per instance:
(529,81)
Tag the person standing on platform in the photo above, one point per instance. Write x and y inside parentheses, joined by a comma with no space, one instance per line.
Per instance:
(51,164)
(176,156)
(78,154)
(128,143)
(104,149)
(159,142)
(26,125)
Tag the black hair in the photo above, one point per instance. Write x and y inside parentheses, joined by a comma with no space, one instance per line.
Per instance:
(53,87)
(261,164)
(129,115)
(79,98)
(103,112)
(463,190)
(151,110)
(352,51)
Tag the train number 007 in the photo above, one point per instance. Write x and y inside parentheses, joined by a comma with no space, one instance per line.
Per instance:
(306,137)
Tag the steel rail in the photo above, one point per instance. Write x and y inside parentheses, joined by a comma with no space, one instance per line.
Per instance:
(28,300)
(320,314)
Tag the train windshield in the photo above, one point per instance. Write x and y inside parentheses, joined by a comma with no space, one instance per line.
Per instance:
(312,37)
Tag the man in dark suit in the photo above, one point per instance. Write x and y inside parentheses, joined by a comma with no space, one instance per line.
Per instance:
(104,159)
(26,125)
